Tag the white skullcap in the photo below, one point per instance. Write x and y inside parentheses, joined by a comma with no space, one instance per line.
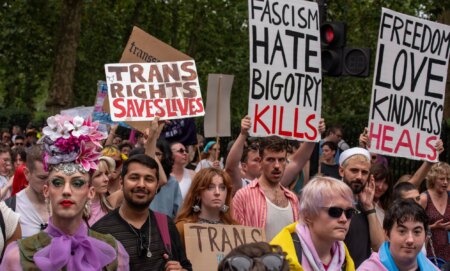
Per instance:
(353,151)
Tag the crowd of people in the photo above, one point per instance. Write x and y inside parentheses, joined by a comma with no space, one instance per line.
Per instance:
(76,198)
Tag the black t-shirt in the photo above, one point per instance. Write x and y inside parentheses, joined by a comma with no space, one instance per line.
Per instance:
(135,241)
(358,238)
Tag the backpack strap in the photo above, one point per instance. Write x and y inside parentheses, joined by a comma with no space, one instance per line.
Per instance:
(297,246)
(2,224)
(163,227)
(11,203)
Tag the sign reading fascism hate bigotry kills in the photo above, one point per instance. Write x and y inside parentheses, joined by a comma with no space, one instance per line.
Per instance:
(409,85)
(143,91)
(285,69)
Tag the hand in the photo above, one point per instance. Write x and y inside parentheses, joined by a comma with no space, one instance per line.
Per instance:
(366,196)
(439,146)
(171,265)
(216,164)
(440,225)
(246,124)
(113,128)
(155,129)
(364,138)
(322,126)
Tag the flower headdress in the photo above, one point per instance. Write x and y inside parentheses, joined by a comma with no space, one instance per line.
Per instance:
(71,140)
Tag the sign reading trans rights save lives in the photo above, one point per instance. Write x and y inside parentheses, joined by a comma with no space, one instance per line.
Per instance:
(409,86)
(143,91)
(285,69)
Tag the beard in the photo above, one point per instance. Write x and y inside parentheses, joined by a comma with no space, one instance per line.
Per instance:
(138,205)
(357,186)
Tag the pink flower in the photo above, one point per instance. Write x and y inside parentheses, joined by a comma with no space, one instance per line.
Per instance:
(88,156)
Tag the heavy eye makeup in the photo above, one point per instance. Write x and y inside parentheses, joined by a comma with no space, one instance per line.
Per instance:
(75,183)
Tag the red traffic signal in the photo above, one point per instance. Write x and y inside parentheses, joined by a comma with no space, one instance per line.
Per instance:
(333,34)
(333,39)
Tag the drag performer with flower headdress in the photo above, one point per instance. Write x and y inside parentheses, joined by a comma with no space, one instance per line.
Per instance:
(70,156)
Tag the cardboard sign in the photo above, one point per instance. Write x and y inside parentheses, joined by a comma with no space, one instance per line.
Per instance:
(217,117)
(208,244)
(285,94)
(143,47)
(143,91)
(409,86)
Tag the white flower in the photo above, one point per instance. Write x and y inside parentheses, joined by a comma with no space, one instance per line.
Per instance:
(52,130)
(76,127)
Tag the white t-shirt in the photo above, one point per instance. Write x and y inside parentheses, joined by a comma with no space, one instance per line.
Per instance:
(30,220)
(11,219)
(277,218)
(185,182)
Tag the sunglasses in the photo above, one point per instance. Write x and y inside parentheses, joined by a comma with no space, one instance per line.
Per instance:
(272,262)
(336,212)
(182,151)
(18,143)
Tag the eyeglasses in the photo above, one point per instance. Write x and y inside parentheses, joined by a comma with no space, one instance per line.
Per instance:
(18,143)
(272,262)
(336,212)
(182,151)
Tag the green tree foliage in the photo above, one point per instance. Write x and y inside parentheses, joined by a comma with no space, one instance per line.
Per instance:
(213,32)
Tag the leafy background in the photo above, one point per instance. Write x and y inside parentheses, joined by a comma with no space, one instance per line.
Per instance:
(213,32)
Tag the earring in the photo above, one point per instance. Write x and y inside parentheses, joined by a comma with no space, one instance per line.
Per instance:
(47,205)
(87,209)
(196,208)
(224,208)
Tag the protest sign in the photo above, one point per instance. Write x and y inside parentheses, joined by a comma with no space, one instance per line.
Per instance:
(143,91)
(285,69)
(217,117)
(409,85)
(207,244)
(82,111)
(98,114)
(143,47)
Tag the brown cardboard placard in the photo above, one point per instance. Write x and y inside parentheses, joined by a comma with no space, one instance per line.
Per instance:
(143,47)
(208,244)
(217,117)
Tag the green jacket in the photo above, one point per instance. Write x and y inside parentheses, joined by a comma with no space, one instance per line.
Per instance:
(29,246)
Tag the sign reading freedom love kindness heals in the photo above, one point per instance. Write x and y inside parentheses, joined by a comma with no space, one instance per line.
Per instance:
(143,91)
(285,69)
(409,86)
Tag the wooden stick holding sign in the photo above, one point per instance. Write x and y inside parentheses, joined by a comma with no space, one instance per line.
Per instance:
(216,158)
(207,244)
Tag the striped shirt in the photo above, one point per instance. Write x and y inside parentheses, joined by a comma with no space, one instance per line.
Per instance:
(250,207)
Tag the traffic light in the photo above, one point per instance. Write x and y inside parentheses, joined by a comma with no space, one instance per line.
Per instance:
(339,60)
(356,62)
(333,39)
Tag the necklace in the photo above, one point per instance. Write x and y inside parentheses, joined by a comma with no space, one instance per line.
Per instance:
(149,253)
(209,221)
